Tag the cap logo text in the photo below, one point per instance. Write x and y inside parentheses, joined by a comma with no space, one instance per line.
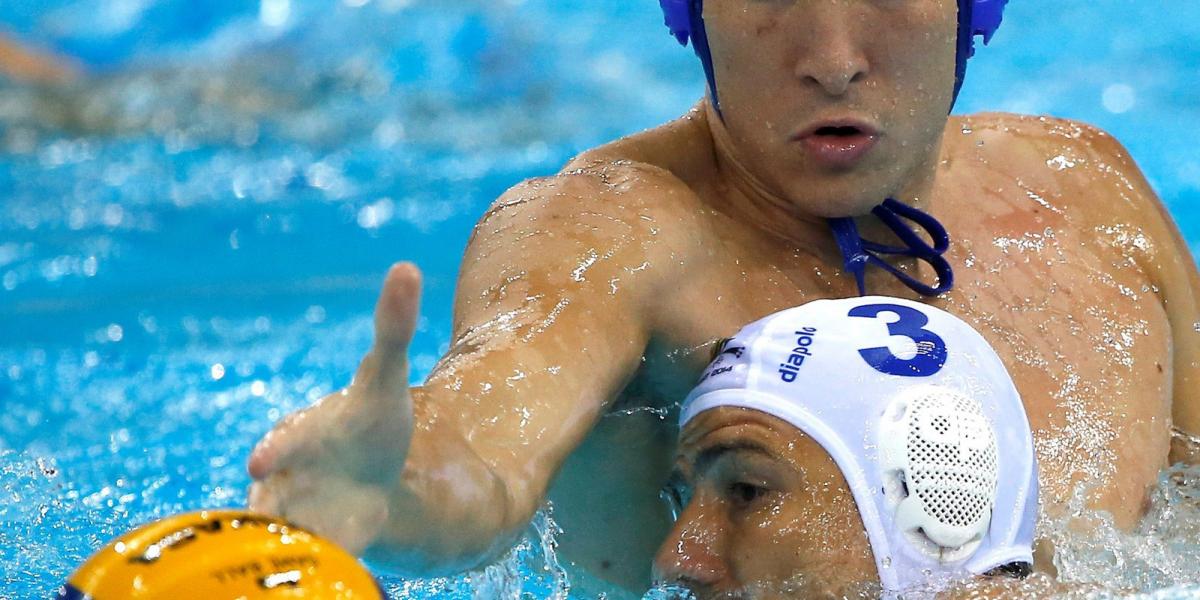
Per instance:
(790,367)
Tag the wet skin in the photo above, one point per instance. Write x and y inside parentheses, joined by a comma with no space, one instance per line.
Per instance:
(600,290)
(765,513)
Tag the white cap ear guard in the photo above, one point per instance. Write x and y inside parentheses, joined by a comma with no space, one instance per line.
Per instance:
(937,453)
(918,412)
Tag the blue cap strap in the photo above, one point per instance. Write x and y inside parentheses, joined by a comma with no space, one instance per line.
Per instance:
(857,253)
(854,256)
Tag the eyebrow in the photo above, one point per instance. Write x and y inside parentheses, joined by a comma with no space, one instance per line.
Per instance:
(710,455)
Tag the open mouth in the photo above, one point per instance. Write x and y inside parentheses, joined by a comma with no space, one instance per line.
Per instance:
(838,145)
(842,131)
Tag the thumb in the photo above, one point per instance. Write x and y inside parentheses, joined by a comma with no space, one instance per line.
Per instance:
(395,321)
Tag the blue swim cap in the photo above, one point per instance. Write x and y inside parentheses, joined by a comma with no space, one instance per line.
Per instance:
(975,18)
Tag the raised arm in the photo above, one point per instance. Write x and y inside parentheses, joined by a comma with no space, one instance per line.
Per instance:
(552,313)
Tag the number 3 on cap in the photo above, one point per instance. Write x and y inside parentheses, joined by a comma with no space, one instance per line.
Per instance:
(931,349)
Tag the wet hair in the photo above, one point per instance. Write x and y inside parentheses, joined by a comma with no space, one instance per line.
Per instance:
(718,348)
(1013,570)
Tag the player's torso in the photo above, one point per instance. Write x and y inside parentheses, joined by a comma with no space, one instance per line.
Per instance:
(1050,281)
(1051,285)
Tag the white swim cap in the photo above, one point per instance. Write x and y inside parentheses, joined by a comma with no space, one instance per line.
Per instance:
(919,414)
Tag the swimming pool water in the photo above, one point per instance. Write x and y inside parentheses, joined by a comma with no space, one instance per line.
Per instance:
(192,238)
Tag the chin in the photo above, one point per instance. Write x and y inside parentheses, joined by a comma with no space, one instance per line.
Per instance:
(831,195)
(832,205)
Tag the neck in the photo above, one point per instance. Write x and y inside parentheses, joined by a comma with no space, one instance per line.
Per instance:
(746,199)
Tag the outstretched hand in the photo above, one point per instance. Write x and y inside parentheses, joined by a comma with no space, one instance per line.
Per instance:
(333,466)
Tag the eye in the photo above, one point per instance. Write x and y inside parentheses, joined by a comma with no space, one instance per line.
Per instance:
(744,494)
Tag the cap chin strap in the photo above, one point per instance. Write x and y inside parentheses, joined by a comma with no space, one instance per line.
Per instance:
(858,253)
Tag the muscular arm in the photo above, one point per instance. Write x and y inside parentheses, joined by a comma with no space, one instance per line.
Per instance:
(1170,265)
(552,313)
(554,308)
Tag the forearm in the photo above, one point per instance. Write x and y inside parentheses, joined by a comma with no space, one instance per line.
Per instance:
(450,510)
(492,427)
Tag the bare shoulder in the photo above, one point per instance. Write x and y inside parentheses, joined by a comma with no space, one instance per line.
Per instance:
(1091,176)
(593,228)
(593,199)
(1059,153)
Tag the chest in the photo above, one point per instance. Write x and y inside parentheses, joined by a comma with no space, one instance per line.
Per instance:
(1064,303)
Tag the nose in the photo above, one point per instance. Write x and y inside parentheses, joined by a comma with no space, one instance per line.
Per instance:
(693,554)
(831,56)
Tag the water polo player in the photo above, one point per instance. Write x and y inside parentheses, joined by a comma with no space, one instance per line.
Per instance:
(830,169)
(822,454)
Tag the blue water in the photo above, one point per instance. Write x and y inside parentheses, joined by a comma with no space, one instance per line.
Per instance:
(191,239)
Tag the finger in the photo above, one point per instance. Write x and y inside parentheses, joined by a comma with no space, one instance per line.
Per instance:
(262,499)
(395,321)
(261,461)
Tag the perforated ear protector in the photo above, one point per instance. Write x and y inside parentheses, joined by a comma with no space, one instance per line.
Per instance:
(914,405)
(685,19)
(940,471)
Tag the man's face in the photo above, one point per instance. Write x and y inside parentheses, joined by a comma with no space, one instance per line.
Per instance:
(766,513)
(786,68)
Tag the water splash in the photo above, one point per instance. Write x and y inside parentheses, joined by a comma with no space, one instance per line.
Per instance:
(531,569)
(665,591)
(1162,552)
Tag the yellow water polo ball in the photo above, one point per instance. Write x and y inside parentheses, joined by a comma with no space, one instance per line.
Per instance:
(219,554)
